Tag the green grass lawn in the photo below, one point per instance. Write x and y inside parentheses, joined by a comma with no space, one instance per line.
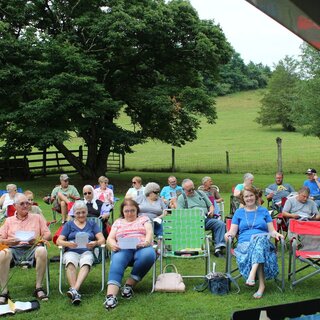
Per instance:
(188,305)
(251,147)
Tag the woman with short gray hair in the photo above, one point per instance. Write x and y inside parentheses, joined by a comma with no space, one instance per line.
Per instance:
(247,183)
(151,205)
(81,257)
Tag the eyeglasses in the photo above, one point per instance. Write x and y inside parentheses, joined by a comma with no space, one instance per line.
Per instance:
(130,211)
(134,182)
(80,213)
(85,193)
(156,192)
(30,200)
(27,203)
(189,190)
(171,182)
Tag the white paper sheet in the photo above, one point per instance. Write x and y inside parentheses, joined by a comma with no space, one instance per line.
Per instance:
(128,243)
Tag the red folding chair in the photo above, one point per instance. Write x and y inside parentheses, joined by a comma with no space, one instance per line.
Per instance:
(10,210)
(305,247)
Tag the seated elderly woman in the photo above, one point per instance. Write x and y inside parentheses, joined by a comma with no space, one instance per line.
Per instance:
(82,257)
(8,198)
(152,206)
(136,190)
(104,193)
(130,240)
(96,208)
(255,254)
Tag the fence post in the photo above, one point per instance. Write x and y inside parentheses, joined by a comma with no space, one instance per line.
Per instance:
(173,160)
(123,160)
(279,160)
(228,162)
(81,153)
(44,162)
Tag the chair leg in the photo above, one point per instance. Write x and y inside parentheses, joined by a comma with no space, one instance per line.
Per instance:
(60,271)
(103,267)
(47,278)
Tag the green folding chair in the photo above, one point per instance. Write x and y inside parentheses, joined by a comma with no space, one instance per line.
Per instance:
(184,237)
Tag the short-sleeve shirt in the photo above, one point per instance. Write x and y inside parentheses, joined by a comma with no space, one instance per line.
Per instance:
(314,189)
(168,193)
(134,193)
(33,222)
(150,209)
(292,205)
(134,229)
(70,230)
(280,190)
(251,222)
(197,200)
(70,190)
(104,195)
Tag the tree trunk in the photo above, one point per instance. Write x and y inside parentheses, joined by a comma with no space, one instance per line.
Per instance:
(90,170)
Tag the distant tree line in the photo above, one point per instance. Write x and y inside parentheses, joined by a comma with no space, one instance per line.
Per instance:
(293,94)
(237,76)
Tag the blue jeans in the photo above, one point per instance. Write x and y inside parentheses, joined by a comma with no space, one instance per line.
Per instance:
(218,229)
(141,261)
(157,229)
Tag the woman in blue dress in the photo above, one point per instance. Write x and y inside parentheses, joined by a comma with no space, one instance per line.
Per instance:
(255,254)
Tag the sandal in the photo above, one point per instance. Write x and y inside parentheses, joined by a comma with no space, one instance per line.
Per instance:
(250,283)
(4,298)
(258,295)
(40,294)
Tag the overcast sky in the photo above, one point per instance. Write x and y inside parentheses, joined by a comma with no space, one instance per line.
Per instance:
(253,34)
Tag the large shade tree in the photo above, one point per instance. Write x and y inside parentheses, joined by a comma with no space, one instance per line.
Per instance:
(73,66)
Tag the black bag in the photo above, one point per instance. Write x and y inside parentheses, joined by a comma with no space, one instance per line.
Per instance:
(218,283)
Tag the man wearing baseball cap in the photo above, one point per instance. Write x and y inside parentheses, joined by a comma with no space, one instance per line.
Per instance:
(63,194)
(313,183)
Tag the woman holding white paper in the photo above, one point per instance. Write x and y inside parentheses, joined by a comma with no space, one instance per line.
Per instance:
(79,237)
(130,240)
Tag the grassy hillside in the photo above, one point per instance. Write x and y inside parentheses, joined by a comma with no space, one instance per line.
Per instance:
(251,147)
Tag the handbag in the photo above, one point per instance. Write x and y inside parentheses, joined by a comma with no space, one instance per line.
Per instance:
(218,283)
(170,281)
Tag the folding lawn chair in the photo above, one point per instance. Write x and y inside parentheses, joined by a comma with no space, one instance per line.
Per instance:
(230,253)
(99,254)
(184,237)
(305,247)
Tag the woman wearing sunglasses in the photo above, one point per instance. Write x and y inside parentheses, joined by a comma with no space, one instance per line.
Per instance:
(152,206)
(136,190)
(96,208)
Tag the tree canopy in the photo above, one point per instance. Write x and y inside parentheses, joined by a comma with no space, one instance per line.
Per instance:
(278,101)
(73,66)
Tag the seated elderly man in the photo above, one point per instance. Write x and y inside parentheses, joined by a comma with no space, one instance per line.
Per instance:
(21,247)
(170,193)
(313,183)
(209,190)
(62,195)
(301,207)
(192,198)
(278,190)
